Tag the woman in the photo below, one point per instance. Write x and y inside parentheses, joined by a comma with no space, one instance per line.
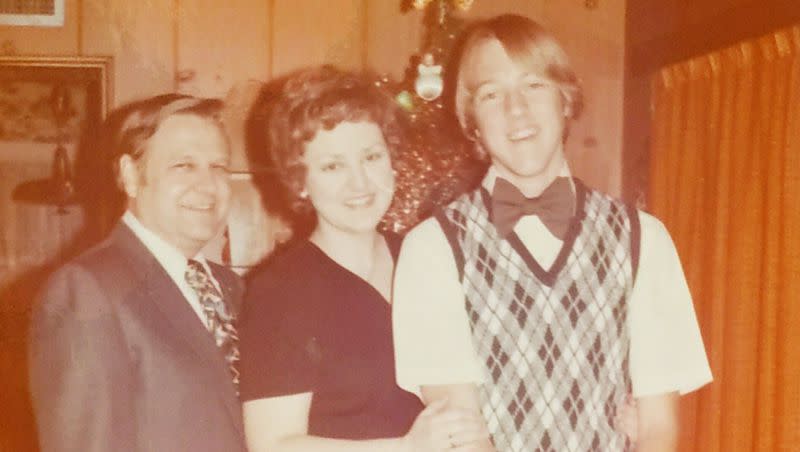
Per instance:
(317,357)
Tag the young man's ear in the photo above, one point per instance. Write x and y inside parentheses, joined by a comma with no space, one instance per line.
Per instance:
(470,128)
(129,175)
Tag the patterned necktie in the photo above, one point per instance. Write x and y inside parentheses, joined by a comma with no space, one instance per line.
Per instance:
(220,321)
(554,206)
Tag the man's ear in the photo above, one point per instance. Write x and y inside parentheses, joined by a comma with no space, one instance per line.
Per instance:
(129,175)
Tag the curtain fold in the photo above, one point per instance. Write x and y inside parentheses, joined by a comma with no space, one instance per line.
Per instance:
(725,180)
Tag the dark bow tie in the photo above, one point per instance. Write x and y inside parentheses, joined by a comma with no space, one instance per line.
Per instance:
(554,206)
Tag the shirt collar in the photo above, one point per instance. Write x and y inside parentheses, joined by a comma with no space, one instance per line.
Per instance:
(173,261)
(492,175)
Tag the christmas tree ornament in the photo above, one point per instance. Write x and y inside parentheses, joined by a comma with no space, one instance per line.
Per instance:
(429,83)
(464,5)
(421,4)
(437,163)
(406,100)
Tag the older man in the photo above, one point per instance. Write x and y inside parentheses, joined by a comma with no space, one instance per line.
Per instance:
(133,344)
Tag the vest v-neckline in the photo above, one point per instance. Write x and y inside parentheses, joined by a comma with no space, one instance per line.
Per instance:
(548,275)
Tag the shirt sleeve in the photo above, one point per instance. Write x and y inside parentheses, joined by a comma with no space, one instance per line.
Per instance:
(279,353)
(432,336)
(667,352)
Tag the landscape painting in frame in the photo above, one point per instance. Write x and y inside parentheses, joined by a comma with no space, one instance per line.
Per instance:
(35,91)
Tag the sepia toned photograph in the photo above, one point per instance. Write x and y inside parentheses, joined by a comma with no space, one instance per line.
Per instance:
(400,225)
(47,100)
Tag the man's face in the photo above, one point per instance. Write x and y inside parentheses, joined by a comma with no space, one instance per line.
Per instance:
(518,114)
(179,189)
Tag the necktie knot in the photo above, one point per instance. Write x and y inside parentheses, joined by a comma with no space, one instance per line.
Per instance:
(554,206)
(196,274)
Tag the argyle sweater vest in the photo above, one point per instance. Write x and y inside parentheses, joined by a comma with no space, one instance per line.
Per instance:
(555,341)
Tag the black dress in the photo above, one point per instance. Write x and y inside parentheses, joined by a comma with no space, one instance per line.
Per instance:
(310,325)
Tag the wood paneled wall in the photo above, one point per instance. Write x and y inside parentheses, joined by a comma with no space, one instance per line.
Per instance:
(206,47)
(217,48)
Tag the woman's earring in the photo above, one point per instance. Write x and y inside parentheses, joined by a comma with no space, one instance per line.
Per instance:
(480,152)
(303,194)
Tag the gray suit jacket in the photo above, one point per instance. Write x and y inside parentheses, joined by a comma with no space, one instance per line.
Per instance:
(120,361)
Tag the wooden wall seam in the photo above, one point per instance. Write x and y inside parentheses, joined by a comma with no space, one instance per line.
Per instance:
(175,45)
(364,34)
(79,22)
(271,46)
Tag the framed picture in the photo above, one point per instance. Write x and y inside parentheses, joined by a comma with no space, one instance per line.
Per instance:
(48,107)
(52,99)
(43,13)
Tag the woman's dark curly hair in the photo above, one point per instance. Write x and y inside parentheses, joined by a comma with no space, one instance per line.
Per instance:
(316,99)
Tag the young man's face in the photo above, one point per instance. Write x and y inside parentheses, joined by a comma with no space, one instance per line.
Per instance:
(519,115)
(180,187)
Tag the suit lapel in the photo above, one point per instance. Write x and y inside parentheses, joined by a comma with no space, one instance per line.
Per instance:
(162,292)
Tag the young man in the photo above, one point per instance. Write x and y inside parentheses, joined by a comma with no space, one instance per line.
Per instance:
(133,347)
(534,299)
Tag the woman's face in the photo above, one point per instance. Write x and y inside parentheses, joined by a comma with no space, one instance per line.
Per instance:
(349,177)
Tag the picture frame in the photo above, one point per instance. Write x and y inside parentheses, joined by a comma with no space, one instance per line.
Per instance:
(28,85)
(48,106)
(37,13)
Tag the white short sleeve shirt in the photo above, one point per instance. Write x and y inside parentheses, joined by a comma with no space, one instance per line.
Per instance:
(433,339)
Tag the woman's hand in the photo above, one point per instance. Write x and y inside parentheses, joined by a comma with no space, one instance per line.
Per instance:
(627,419)
(439,428)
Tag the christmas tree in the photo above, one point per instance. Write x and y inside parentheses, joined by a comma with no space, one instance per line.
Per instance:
(438,163)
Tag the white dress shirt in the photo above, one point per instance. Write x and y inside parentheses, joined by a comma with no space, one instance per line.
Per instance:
(432,333)
(173,261)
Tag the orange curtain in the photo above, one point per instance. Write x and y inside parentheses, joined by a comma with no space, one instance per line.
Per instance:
(725,179)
